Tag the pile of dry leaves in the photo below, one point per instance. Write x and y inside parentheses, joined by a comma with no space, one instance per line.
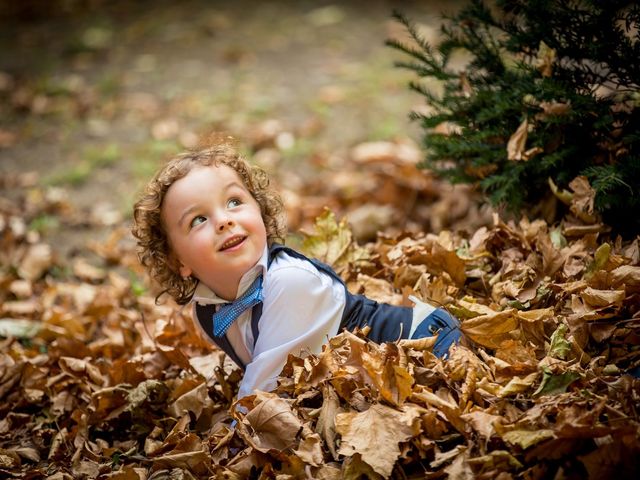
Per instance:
(97,381)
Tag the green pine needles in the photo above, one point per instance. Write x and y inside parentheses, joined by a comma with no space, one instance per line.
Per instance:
(551,91)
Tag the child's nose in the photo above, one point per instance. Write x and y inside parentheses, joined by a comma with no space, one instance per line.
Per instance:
(225,224)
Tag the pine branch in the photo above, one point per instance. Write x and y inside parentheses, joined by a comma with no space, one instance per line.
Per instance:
(569,66)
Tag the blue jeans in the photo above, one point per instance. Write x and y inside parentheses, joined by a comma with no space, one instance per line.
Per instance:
(441,323)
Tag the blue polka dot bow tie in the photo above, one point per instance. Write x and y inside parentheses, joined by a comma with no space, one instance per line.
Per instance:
(229,312)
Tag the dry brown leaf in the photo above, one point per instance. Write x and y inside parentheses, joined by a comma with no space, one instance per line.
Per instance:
(527,438)
(602,298)
(419,344)
(37,260)
(9,459)
(447,129)
(332,243)
(518,385)
(438,259)
(517,142)
(21,288)
(553,108)
(460,468)
(196,461)
(85,271)
(627,276)
(310,450)
(583,199)
(482,422)
(206,365)
(386,152)
(194,401)
(75,366)
(272,423)
(376,433)
(545,59)
(490,330)
(326,426)
(378,290)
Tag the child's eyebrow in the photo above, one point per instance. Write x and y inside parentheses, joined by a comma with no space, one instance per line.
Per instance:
(234,184)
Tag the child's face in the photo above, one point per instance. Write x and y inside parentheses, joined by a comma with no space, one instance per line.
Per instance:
(214,226)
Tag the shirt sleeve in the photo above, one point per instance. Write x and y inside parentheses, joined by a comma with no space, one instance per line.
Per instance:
(304,309)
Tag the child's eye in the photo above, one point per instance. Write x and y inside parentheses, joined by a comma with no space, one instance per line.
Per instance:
(197,220)
(234,202)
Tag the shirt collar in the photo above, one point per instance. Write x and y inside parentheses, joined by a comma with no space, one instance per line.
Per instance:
(205,296)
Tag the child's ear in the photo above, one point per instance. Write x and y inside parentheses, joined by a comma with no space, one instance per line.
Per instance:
(185,271)
(177,266)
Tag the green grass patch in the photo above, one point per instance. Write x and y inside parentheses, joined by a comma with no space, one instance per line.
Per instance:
(44,223)
(109,85)
(93,158)
(148,158)
(137,285)
(102,156)
(301,149)
(73,175)
(386,128)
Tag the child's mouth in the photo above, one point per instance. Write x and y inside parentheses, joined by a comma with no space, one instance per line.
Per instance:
(232,242)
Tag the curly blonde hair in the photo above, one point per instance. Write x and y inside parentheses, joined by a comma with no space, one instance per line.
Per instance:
(154,250)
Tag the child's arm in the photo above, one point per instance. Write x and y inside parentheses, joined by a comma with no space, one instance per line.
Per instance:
(302,309)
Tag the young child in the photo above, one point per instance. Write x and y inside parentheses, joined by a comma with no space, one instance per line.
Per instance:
(207,227)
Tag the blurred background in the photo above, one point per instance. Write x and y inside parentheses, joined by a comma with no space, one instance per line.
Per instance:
(95,95)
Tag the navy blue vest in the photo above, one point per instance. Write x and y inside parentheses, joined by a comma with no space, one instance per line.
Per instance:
(388,322)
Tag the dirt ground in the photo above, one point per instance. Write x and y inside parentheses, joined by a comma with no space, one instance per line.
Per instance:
(95,95)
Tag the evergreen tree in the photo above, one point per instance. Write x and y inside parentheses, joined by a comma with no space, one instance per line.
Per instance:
(551,92)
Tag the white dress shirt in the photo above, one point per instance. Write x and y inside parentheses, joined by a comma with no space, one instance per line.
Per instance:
(302,308)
